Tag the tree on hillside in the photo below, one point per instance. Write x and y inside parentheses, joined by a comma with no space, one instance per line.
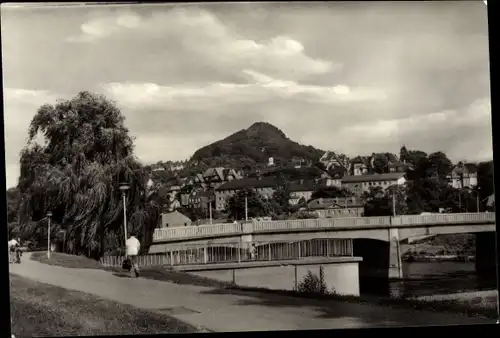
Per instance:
(485,179)
(280,201)
(329,192)
(76,175)
(441,164)
(397,194)
(376,202)
(414,156)
(379,202)
(380,163)
(256,204)
(404,155)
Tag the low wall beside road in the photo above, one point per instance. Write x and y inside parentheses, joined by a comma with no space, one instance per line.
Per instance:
(341,274)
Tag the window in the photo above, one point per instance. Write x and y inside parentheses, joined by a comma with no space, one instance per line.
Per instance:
(185,224)
(167,225)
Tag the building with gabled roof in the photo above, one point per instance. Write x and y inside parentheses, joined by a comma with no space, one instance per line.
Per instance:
(463,175)
(174,219)
(358,184)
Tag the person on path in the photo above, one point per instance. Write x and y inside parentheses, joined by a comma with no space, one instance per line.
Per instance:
(133,246)
(253,252)
(14,252)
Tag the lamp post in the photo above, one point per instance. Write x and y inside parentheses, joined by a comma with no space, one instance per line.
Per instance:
(210,208)
(49,216)
(246,205)
(477,199)
(124,187)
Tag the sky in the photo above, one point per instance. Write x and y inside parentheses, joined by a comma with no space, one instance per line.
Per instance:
(351,77)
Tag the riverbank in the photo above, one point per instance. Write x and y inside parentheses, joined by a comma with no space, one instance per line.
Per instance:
(477,299)
(168,274)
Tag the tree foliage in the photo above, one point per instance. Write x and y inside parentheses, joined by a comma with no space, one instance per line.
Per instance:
(77,172)
(280,201)
(330,192)
(380,164)
(13,199)
(257,206)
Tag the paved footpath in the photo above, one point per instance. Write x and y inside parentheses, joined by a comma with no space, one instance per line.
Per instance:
(205,307)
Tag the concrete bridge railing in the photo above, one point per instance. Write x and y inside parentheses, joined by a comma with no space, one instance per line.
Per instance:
(197,231)
(217,230)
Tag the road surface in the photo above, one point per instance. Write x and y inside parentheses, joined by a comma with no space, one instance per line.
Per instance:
(222,311)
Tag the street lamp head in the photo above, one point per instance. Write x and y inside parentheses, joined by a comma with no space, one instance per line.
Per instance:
(124,187)
(49,213)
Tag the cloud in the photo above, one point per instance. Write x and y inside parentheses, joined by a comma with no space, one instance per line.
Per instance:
(102,27)
(464,134)
(202,33)
(20,106)
(205,96)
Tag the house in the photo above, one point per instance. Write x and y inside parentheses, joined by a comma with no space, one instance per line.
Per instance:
(266,186)
(399,167)
(200,200)
(331,159)
(337,207)
(174,219)
(301,190)
(358,184)
(463,175)
(299,162)
(215,177)
(360,165)
(174,204)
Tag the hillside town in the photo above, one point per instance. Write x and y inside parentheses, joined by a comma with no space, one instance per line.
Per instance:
(338,187)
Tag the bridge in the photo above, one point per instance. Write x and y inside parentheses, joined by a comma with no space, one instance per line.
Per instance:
(376,239)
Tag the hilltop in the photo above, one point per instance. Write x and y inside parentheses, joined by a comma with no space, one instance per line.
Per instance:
(255,145)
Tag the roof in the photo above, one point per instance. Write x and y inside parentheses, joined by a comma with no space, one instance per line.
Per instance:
(175,218)
(399,164)
(372,177)
(304,186)
(204,194)
(244,183)
(331,203)
(219,171)
(471,167)
(465,168)
(361,160)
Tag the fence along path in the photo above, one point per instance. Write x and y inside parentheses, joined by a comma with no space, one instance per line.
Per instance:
(233,252)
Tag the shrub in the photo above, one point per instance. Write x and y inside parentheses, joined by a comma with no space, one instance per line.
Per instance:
(313,283)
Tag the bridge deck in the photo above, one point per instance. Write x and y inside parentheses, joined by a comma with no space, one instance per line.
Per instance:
(354,223)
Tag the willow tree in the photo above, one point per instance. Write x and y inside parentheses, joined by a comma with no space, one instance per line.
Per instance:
(76,172)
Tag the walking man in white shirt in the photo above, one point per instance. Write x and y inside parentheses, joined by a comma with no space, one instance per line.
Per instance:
(133,246)
(14,252)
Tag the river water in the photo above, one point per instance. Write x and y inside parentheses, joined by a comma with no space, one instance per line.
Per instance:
(430,278)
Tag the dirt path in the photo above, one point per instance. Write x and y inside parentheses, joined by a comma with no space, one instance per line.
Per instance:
(220,311)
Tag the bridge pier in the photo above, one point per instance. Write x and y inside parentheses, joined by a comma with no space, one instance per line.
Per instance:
(395,261)
(486,253)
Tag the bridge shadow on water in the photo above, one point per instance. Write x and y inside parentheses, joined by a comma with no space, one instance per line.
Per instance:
(351,313)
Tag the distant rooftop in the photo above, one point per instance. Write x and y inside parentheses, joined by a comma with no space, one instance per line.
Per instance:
(372,177)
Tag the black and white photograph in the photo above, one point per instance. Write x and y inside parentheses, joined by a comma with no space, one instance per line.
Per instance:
(248,166)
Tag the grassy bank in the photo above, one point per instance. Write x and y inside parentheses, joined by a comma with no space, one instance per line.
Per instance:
(170,275)
(39,309)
